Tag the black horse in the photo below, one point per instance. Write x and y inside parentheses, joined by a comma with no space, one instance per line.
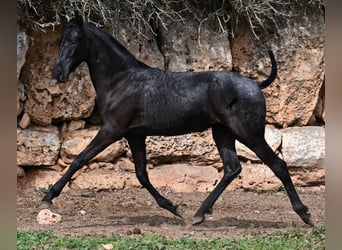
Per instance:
(135,101)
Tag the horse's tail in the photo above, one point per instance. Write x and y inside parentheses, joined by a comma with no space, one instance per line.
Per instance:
(273,74)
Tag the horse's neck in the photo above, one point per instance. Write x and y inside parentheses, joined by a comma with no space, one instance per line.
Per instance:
(105,61)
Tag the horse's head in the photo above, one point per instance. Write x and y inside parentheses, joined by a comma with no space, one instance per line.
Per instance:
(71,50)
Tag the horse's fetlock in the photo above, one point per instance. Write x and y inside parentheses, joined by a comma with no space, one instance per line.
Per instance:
(165,204)
(300,209)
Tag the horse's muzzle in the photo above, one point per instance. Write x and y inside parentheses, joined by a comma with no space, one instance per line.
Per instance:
(58,75)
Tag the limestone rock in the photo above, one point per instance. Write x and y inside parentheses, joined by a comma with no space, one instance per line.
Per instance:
(298,46)
(176,177)
(20,172)
(21,97)
(76,125)
(188,48)
(144,49)
(273,138)
(25,121)
(125,164)
(75,141)
(37,146)
(256,177)
(316,177)
(200,148)
(319,112)
(22,47)
(184,177)
(105,179)
(194,148)
(45,217)
(259,177)
(304,147)
(49,101)
(39,179)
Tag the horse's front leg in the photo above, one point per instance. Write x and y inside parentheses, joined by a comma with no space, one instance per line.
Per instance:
(103,138)
(138,148)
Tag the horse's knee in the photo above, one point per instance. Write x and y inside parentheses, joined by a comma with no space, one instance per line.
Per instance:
(231,172)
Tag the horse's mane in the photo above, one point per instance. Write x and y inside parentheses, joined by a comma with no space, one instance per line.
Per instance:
(113,44)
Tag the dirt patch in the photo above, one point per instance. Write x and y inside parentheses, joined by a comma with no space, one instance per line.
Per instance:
(126,212)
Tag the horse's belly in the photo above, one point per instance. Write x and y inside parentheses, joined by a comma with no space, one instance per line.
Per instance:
(170,122)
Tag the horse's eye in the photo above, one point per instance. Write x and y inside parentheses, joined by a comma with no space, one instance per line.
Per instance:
(74,41)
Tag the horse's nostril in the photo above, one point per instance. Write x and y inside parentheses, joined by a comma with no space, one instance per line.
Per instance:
(60,77)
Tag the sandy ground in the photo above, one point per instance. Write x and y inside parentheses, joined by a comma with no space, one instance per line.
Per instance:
(133,211)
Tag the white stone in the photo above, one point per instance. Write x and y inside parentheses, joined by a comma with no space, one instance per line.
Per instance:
(46,217)
(304,147)
(37,146)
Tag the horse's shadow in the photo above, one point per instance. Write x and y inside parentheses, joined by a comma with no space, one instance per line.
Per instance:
(158,220)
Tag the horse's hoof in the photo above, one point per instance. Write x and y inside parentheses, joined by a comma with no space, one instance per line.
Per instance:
(197,220)
(308,220)
(45,204)
(311,222)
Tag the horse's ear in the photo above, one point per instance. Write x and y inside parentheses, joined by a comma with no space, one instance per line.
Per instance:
(78,20)
(63,20)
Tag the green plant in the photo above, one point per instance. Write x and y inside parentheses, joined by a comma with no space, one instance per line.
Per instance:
(43,190)
(291,239)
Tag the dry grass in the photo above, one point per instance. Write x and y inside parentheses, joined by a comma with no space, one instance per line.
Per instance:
(146,14)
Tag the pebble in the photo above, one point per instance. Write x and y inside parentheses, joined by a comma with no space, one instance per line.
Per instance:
(45,217)
(136,230)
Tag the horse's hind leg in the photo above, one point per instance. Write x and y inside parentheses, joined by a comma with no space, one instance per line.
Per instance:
(138,148)
(225,142)
(103,139)
(279,168)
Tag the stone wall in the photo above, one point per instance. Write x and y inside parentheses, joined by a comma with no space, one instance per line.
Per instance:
(56,121)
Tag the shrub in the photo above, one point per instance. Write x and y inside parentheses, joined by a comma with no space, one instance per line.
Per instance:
(142,14)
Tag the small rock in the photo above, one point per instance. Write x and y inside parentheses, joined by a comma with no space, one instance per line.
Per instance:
(126,165)
(136,230)
(93,165)
(25,121)
(61,162)
(57,168)
(76,125)
(107,246)
(20,172)
(46,217)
